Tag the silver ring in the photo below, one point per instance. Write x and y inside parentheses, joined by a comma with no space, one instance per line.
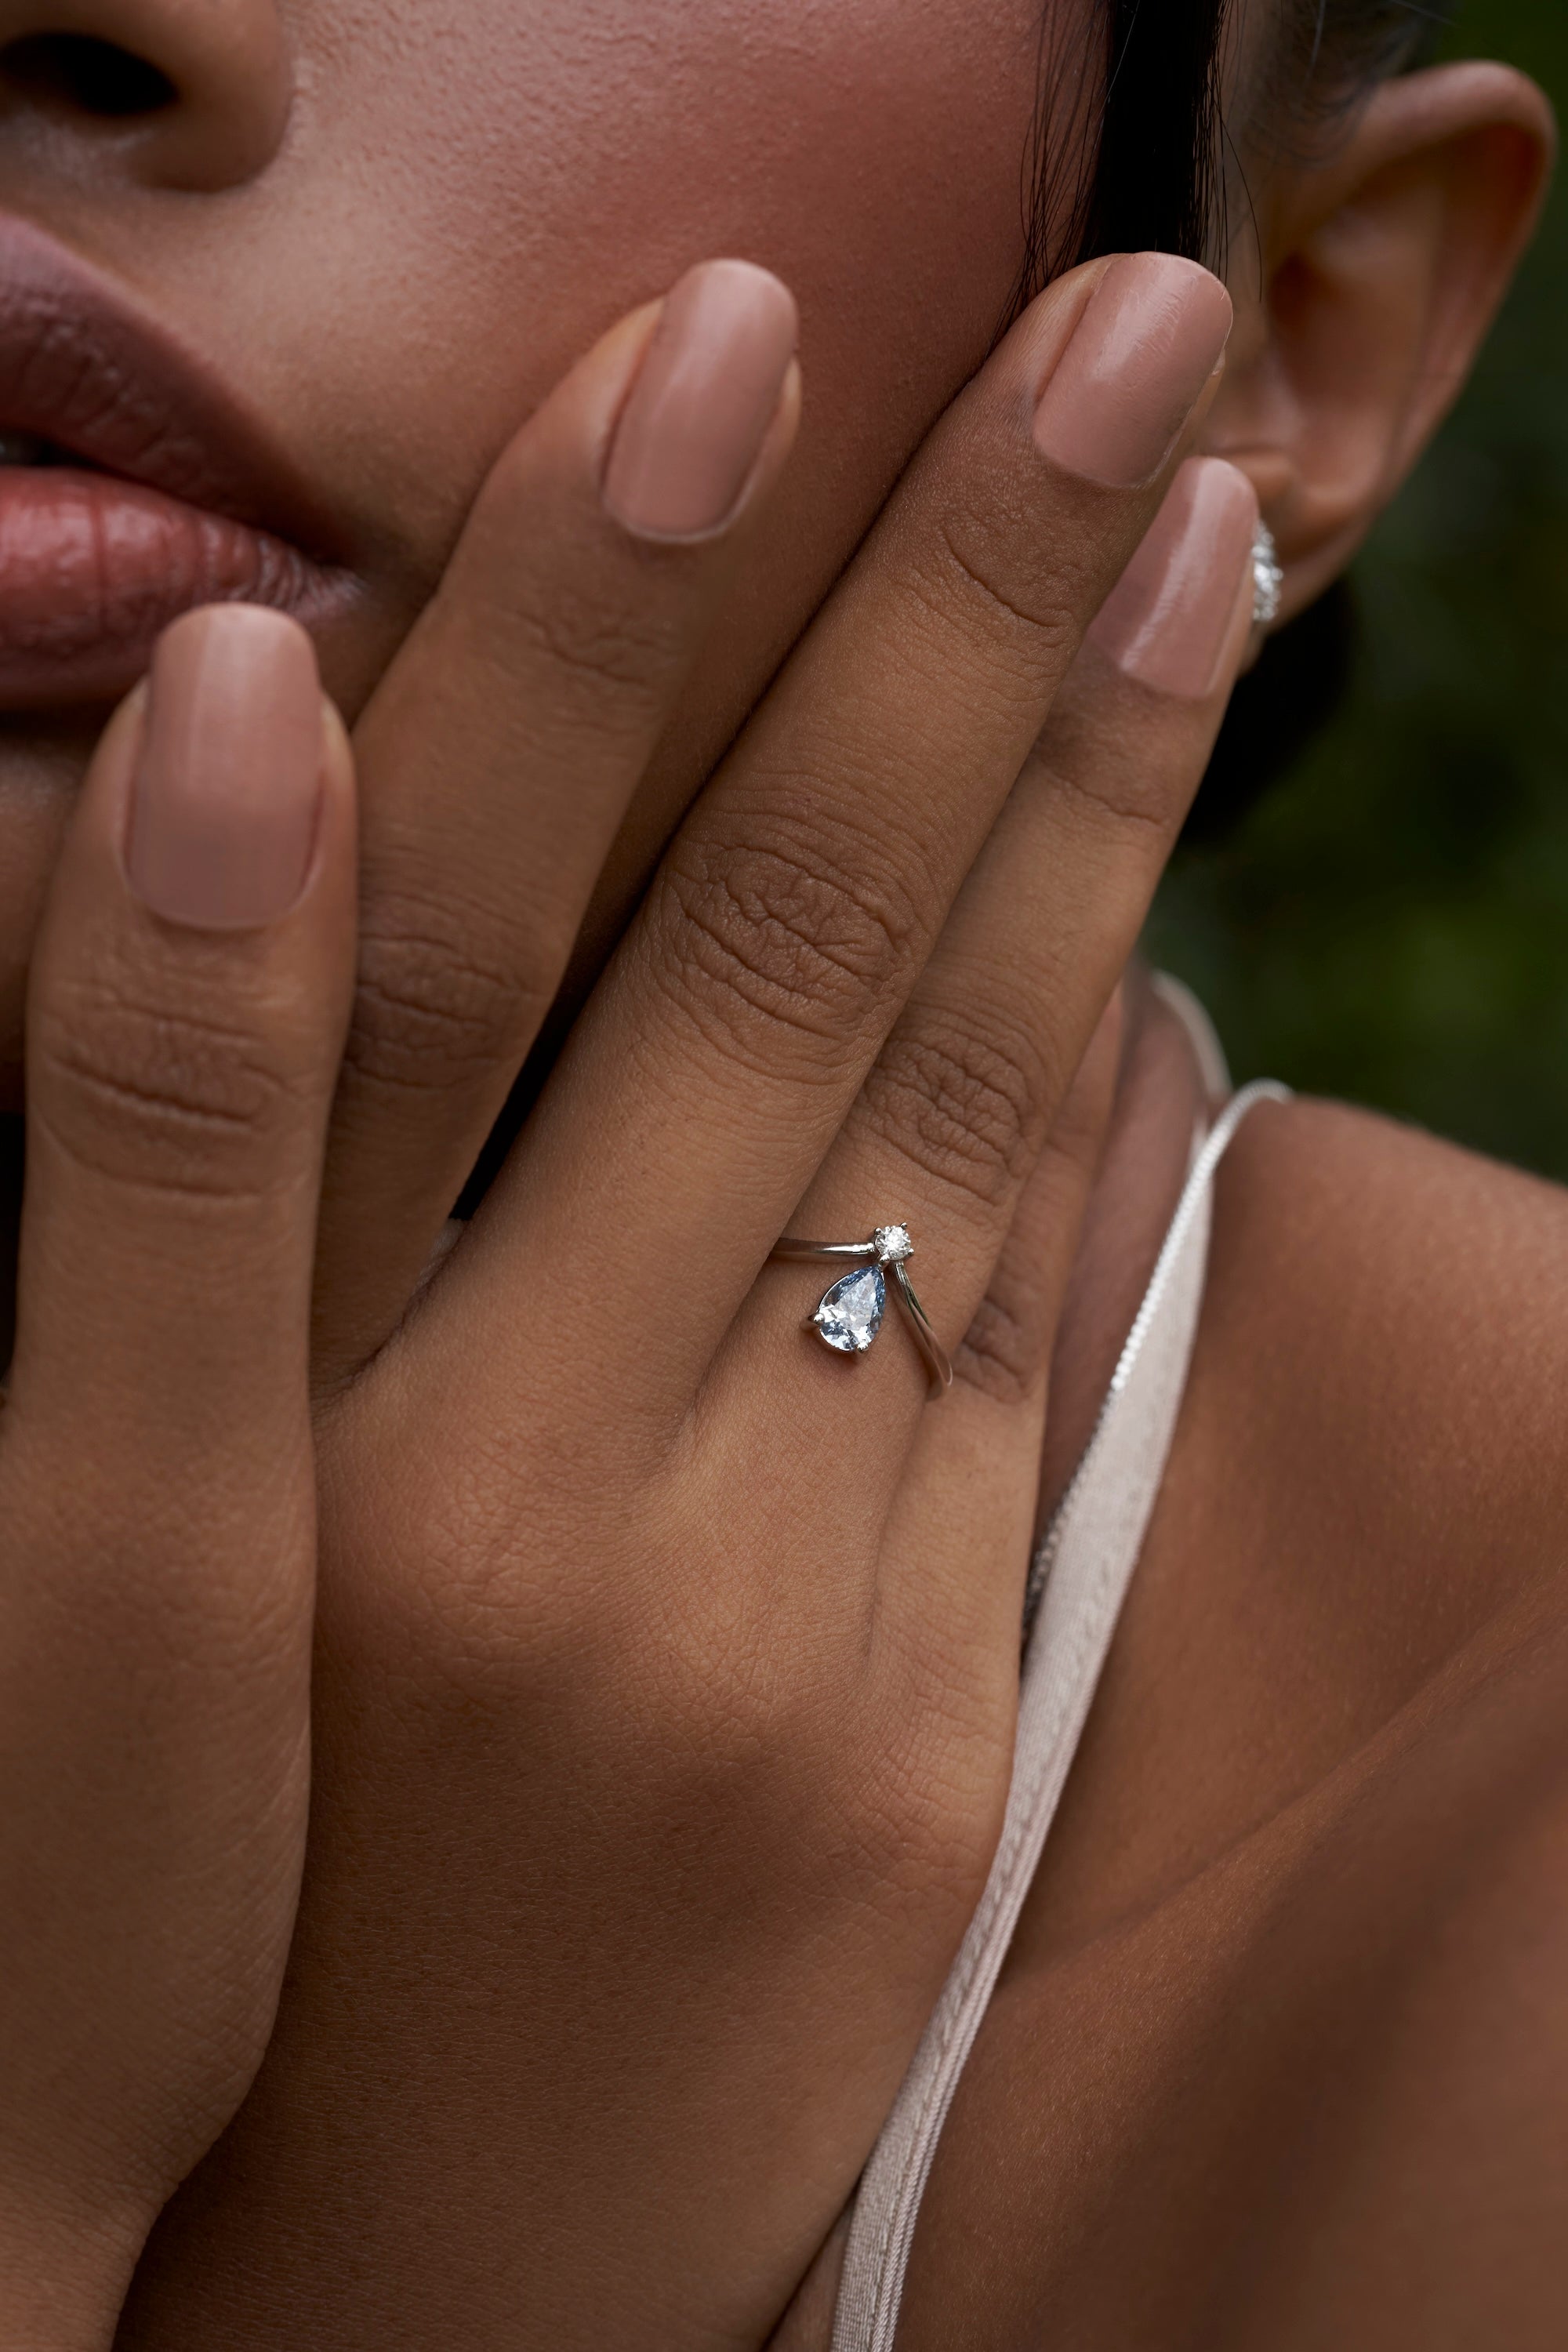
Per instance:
(849,1315)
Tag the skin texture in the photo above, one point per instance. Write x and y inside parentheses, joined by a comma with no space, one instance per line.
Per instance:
(500,1872)
(487,181)
(525,1584)
(1292,1967)
(158,1487)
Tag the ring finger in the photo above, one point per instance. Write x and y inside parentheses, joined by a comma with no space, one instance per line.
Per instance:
(952,1116)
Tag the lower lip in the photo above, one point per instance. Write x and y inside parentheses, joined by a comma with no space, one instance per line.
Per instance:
(93,568)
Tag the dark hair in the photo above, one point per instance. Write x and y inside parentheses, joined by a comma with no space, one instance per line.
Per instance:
(1132,151)
(1131,148)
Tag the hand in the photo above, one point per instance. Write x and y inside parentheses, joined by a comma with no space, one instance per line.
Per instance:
(187,1010)
(667,1663)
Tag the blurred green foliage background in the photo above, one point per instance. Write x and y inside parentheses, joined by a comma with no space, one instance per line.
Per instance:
(1389,924)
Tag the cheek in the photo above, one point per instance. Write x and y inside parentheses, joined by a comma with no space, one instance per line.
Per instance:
(504,180)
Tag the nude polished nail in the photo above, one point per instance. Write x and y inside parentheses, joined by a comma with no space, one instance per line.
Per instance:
(708,388)
(1153,335)
(227,790)
(1169,619)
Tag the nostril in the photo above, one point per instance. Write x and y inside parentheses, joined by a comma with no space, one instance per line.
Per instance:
(72,73)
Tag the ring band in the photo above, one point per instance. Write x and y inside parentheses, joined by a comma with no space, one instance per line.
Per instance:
(849,1314)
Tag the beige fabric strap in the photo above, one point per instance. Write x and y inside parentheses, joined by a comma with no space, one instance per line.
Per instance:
(1079,1579)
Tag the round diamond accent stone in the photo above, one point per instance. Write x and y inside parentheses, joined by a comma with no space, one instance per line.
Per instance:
(893,1243)
(850,1316)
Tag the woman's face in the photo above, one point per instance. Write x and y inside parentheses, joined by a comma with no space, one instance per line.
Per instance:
(382,229)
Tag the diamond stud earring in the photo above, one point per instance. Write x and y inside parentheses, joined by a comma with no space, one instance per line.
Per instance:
(1267,579)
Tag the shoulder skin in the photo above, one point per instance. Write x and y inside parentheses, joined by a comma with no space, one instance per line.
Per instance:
(1280,2060)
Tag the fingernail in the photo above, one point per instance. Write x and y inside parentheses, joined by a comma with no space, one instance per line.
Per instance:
(1168,621)
(227,790)
(698,412)
(1151,338)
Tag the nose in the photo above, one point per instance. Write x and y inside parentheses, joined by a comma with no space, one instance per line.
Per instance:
(172,93)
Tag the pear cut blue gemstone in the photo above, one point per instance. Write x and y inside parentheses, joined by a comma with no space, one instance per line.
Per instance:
(851,1317)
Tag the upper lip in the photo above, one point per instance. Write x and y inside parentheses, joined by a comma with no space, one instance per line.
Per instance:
(80,366)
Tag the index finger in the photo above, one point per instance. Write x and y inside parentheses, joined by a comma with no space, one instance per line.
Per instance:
(498,755)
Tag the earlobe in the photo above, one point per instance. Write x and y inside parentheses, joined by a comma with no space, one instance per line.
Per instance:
(1383,264)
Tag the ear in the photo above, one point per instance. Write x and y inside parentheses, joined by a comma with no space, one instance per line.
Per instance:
(1382,263)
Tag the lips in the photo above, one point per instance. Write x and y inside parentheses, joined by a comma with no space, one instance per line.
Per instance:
(157,491)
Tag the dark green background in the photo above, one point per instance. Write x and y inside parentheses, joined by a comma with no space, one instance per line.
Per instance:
(1390,923)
